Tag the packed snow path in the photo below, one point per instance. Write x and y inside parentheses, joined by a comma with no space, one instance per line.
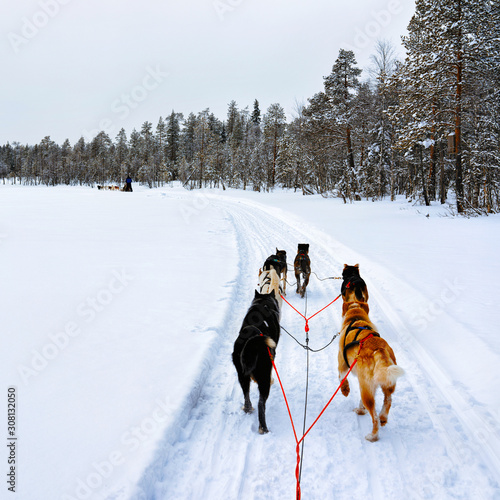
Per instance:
(439,443)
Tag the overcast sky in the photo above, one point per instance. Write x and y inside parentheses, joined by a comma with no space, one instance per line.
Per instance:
(73,67)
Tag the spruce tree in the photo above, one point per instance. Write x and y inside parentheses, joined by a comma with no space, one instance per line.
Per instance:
(274,126)
(173,143)
(256,113)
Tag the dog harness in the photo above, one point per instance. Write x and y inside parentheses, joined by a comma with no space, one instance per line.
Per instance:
(355,341)
(274,262)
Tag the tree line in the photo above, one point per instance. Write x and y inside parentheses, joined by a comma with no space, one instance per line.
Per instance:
(427,127)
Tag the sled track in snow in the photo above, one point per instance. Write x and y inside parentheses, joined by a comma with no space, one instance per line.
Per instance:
(213,451)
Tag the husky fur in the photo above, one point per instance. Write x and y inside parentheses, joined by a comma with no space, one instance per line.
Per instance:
(257,340)
(269,280)
(376,364)
(302,267)
(275,262)
(281,254)
(353,286)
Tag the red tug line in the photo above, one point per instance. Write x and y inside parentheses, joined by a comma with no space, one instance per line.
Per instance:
(298,441)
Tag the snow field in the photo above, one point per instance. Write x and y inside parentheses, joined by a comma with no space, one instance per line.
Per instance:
(144,403)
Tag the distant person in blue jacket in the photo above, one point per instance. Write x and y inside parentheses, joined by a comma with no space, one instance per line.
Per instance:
(128,184)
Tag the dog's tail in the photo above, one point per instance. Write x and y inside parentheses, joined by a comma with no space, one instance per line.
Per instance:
(387,376)
(256,352)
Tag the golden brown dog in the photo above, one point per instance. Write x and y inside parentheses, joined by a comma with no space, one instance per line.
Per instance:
(375,367)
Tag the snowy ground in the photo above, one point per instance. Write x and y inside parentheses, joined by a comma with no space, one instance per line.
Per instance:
(119,312)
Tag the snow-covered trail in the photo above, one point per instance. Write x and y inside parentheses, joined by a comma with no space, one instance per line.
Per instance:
(429,448)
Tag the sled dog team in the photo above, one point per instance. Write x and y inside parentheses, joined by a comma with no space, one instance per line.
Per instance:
(259,335)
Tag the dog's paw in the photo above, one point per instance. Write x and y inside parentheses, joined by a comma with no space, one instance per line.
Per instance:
(371,437)
(247,409)
(359,411)
(263,430)
(383,419)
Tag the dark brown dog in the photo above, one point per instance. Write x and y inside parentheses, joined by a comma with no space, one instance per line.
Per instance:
(302,268)
(353,286)
(281,254)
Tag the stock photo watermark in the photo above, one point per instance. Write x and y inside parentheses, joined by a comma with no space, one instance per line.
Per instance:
(223,7)
(131,440)
(124,105)
(433,309)
(196,205)
(87,310)
(31,26)
(374,28)
(12,439)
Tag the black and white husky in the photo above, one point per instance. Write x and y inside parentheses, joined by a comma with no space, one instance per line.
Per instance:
(269,280)
(256,342)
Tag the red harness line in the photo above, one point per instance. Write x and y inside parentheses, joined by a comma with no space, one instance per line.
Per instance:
(310,317)
(298,441)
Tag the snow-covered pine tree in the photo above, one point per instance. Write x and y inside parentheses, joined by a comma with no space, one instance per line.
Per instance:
(232,117)
(330,121)
(66,172)
(100,158)
(216,158)
(340,89)
(482,183)
(306,178)
(187,139)
(287,162)
(423,93)
(256,113)
(173,143)
(160,140)
(377,169)
(120,159)
(441,82)
(134,157)
(79,158)
(146,173)
(274,123)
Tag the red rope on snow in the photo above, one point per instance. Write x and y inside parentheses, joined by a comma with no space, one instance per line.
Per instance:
(310,317)
(298,441)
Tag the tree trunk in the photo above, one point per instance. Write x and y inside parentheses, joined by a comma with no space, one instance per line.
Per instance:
(458,121)
(432,164)
(350,155)
(350,158)
(424,186)
(442,189)
(275,154)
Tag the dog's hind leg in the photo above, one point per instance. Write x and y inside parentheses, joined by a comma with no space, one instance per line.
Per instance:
(264,394)
(264,383)
(304,285)
(343,369)
(368,400)
(297,278)
(245,386)
(384,414)
(360,410)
